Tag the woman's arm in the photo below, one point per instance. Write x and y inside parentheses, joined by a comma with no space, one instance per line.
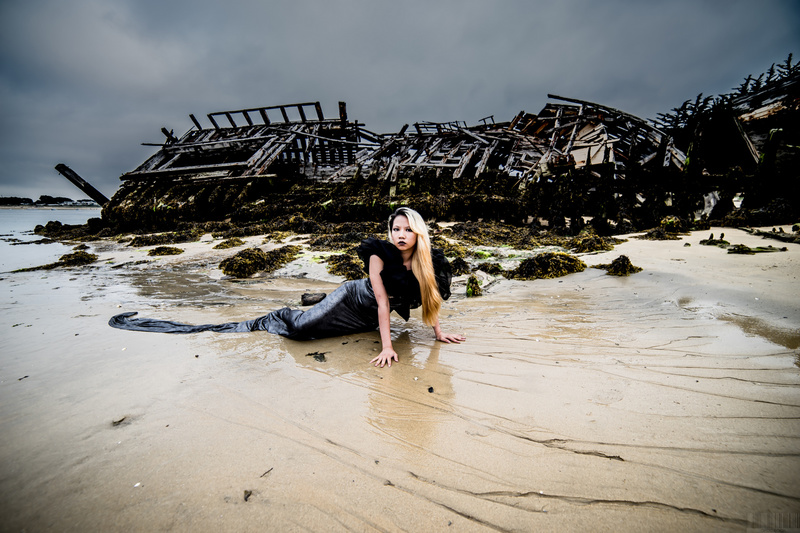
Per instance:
(384,322)
(446,337)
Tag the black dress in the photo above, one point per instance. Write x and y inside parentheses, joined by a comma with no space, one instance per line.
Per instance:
(351,308)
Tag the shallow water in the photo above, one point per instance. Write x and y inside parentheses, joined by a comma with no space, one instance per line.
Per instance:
(16,227)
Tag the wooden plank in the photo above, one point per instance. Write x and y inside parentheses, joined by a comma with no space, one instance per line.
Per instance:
(187,170)
(465,161)
(318,109)
(283,112)
(214,122)
(196,124)
(230,119)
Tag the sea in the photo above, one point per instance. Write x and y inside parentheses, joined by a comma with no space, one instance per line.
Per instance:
(19,245)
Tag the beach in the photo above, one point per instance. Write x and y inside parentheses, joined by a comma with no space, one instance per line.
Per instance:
(666,400)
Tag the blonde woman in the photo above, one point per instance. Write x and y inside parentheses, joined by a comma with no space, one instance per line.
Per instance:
(404,273)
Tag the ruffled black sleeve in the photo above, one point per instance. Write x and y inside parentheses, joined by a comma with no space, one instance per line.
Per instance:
(387,251)
(441,269)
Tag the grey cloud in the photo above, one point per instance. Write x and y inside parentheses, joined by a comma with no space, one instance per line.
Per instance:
(84,82)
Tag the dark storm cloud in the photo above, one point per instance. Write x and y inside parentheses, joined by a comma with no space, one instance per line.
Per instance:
(84,82)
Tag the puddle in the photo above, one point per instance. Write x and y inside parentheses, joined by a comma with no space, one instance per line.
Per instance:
(788,338)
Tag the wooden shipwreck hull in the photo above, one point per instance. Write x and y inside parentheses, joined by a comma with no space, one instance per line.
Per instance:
(284,160)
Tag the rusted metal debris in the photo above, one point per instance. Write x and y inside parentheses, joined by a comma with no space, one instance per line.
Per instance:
(251,143)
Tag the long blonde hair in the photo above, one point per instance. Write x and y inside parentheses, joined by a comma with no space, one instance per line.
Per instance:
(422,264)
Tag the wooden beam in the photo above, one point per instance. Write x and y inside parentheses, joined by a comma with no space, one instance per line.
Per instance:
(196,124)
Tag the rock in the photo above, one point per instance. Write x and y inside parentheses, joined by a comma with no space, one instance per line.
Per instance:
(312,298)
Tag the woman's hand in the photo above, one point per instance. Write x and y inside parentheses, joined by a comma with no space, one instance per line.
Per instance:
(450,337)
(385,357)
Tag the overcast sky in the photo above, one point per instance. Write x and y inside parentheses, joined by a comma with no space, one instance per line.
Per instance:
(84,82)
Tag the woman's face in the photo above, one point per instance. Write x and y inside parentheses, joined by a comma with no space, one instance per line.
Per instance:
(402,236)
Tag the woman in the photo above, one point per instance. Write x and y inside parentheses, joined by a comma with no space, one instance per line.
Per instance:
(404,273)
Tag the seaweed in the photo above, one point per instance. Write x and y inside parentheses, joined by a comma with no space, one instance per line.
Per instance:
(473,287)
(346,265)
(337,241)
(191,234)
(78,258)
(547,265)
(621,266)
(746,250)
(589,242)
(230,242)
(459,267)
(247,262)
(711,241)
(658,234)
(493,269)
(449,249)
(165,250)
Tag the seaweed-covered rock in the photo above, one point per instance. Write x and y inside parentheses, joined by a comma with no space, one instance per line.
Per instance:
(547,265)
(170,237)
(590,242)
(450,249)
(711,241)
(493,234)
(659,234)
(78,258)
(165,250)
(347,266)
(746,250)
(459,267)
(621,266)
(473,287)
(493,269)
(673,224)
(247,262)
(231,242)
(337,241)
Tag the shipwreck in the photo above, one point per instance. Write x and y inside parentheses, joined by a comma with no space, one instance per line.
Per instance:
(572,161)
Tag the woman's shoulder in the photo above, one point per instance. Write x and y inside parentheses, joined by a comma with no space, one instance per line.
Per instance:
(372,246)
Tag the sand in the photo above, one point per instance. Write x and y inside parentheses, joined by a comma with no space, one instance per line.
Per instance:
(668,400)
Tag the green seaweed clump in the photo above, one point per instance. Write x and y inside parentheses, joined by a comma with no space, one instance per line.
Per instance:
(659,234)
(590,243)
(231,242)
(711,241)
(165,250)
(621,266)
(449,249)
(247,262)
(459,267)
(746,250)
(547,265)
(473,287)
(347,266)
(78,258)
(170,237)
(493,269)
(336,241)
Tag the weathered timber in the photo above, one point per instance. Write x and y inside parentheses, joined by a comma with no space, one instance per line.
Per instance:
(82,184)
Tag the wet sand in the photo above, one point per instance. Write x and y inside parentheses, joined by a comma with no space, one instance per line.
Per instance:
(667,400)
